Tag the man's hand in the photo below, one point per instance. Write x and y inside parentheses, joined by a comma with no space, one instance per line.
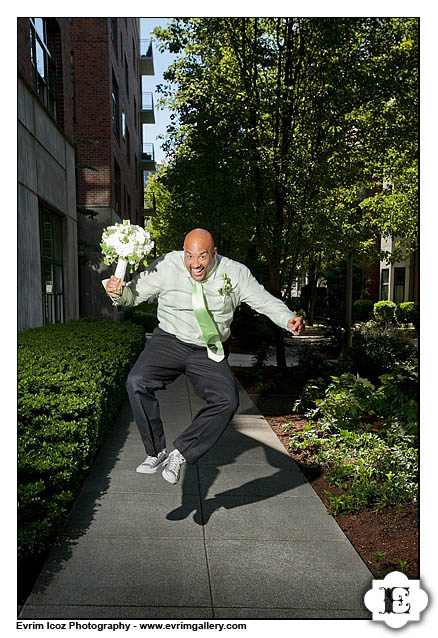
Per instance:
(114,287)
(296,325)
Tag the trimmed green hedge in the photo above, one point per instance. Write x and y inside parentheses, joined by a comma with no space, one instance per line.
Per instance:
(145,315)
(384,312)
(363,309)
(70,388)
(408,312)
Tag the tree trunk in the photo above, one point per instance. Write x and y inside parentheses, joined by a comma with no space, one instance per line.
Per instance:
(348,338)
(280,351)
(313,280)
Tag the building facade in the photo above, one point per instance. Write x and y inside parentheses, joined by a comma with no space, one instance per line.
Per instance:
(399,281)
(81,157)
(109,112)
(46,191)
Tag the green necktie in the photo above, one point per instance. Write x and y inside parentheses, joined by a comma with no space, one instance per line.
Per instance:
(206,323)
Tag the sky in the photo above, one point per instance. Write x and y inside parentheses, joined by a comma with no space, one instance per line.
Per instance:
(149,83)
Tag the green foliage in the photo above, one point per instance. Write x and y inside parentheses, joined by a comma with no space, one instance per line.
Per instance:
(384,312)
(399,393)
(70,388)
(264,149)
(408,312)
(312,391)
(349,402)
(145,315)
(376,351)
(358,434)
(249,328)
(363,309)
(369,472)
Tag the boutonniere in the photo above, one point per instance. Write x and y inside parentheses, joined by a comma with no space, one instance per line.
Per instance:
(227,287)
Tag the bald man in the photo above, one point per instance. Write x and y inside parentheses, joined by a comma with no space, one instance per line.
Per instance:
(198,292)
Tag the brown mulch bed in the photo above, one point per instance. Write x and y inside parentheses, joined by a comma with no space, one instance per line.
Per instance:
(388,532)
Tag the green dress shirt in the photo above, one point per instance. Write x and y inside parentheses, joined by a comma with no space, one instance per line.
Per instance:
(168,279)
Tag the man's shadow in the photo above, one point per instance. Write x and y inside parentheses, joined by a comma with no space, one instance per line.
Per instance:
(226,452)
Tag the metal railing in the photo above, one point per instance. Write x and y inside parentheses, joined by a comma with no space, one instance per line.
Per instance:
(147,101)
(147,152)
(146,48)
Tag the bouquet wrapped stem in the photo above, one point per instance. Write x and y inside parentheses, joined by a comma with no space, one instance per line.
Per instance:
(120,273)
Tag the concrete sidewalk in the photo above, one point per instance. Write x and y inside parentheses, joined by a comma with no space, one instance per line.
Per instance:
(242,535)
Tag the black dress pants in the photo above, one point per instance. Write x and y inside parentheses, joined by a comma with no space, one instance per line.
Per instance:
(163,359)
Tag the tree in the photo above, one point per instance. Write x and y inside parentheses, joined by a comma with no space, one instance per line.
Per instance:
(282,128)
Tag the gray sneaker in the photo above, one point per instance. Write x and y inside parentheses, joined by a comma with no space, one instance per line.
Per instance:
(152,463)
(172,466)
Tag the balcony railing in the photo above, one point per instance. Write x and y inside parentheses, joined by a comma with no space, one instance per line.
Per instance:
(146,65)
(147,113)
(147,152)
(146,48)
(147,101)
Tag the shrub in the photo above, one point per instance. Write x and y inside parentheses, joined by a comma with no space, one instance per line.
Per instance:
(312,391)
(355,434)
(376,351)
(349,402)
(408,312)
(399,393)
(368,471)
(249,327)
(145,315)
(70,388)
(384,312)
(363,309)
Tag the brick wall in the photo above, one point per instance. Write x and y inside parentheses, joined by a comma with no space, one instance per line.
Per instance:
(95,60)
(24,65)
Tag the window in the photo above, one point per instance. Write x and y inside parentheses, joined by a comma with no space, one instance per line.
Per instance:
(399,284)
(123,124)
(384,284)
(51,266)
(115,103)
(43,64)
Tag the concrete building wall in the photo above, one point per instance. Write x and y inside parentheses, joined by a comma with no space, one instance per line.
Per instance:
(30,309)
(50,149)
(45,174)
(60,36)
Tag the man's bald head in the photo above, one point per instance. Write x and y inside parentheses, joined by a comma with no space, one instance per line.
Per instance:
(199,237)
(199,253)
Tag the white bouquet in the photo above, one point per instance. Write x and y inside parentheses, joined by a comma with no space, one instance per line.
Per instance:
(127,244)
